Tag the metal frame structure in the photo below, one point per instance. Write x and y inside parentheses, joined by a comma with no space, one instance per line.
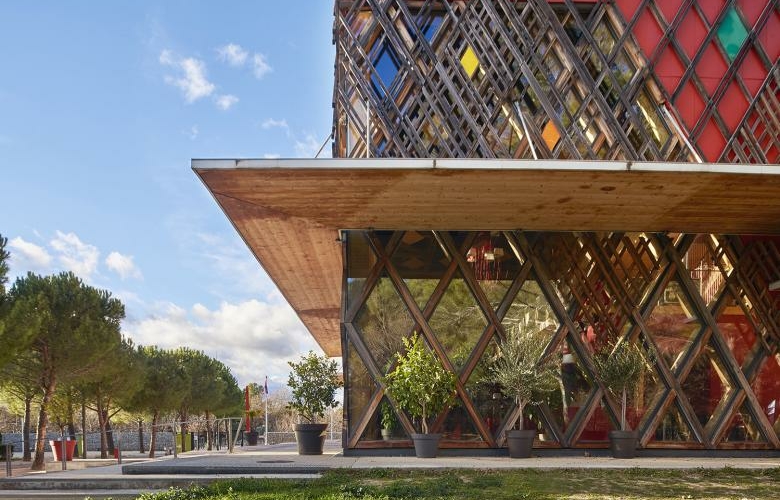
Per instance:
(620,283)
(651,80)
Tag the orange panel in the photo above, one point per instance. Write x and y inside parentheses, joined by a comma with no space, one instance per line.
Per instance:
(691,33)
(711,68)
(669,69)
(647,33)
(711,142)
(732,106)
(712,8)
(753,72)
(551,135)
(669,8)
(690,105)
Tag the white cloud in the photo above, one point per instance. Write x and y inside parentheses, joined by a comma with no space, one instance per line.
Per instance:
(225,102)
(75,255)
(233,54)
(253,338)
(123,265)
(192,79)
(28,256)
(307,147)
(271,156)
(261,66)
(271,123)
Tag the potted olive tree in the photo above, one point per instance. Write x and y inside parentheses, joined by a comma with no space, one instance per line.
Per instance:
(620,367)
(422,387)
(313,382)
(524,375)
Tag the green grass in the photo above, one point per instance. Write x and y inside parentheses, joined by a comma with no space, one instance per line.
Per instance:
(497,485)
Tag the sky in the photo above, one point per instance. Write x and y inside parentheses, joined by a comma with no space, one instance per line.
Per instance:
(102,107)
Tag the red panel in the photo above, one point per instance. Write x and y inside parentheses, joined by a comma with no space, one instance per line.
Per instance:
(753,72)
(711,142)
(711,68)
(627,7)
(648,33)
(711,8)
(669,69)
(769,37)
(751,9)
(669,8)
(689,104)
(732,106)
(691,33)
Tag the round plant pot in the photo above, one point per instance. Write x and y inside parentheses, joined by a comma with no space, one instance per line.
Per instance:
(520,443)
(311,438)
(426,445)
(623,443)
(387,434)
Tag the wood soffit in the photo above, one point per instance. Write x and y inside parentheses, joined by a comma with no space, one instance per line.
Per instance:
(289,211)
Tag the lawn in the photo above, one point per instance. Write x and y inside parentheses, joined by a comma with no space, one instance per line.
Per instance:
(497,485)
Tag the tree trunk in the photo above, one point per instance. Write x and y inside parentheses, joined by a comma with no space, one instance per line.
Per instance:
(521,405)
(111,441)
(103,437)
(153,440)
(623,413)
(140,436)
(209,433)
(43,420)
(84,430)
(26,455)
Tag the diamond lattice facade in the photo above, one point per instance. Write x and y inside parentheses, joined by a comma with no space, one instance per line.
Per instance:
(625,80)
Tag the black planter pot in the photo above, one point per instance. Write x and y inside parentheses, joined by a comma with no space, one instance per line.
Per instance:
(623,443)
(311,438)
(251,438)
(426,445)
(520,443)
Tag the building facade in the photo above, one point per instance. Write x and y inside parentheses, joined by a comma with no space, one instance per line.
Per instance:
(650,80)
(584,171)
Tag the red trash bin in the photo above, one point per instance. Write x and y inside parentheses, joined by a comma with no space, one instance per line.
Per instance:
(56,448)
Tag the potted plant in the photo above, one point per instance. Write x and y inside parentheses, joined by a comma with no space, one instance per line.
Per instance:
(524,375)
(620,367)
(387,420)
(422,387)
(313,382)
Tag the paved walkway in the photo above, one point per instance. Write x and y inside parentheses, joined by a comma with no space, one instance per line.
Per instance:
(199,467)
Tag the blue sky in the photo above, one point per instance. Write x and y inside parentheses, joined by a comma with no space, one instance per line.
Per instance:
(102,106)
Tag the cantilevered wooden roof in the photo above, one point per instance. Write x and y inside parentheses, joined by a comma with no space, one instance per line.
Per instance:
(289,212)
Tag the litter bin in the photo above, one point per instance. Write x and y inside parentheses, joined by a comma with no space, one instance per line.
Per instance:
(56,448)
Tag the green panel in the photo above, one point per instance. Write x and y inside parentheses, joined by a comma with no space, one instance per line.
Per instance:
(732,33)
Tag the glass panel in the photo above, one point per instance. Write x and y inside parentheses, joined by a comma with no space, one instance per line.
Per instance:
(673,324)
(732,33)
(654,125)
(743,428)
(640,401)
(598,426)
(575,385)
(766,386)
(421,262)
(458,321)
(458,425)
(386,65)
(544,436)
(383,322)
(360,387)
(736,329)
(706,385)
(636,262)
(494,263)
(673,427)
(709,267)
(429,25)
(360,261)
(530,312)
(485,394)
(384,425)
(469,61)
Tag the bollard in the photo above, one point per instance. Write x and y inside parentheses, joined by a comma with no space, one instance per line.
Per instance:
(174,440)
(8,448)
(229,435)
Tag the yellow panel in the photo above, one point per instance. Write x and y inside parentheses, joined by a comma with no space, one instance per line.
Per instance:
(469,61)
(551,135)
